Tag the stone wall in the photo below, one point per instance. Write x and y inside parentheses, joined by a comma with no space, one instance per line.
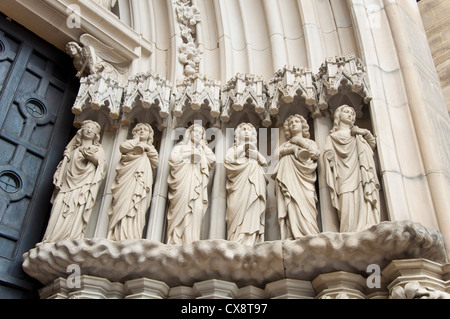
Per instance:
(435,15)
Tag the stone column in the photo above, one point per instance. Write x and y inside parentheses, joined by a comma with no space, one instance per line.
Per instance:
(328,215)
(218,202)
(339,285)
(427,108)
(290,289)
(216,289)
(416,278)
(101,222)
(157,218)
(144,288)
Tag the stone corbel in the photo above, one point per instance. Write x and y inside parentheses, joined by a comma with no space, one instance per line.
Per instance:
(242,90)
(149,91)
(197,93)
(98,92)
(342,74)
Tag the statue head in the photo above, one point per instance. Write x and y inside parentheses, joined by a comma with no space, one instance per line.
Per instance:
(343,114)
(88,127)
(194,134)
(292,124)
(245,133)
(73,48)
(143,131)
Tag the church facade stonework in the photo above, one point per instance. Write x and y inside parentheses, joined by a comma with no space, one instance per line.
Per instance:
(246,149)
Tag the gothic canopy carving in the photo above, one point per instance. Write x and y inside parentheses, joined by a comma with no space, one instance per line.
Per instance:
(292,90)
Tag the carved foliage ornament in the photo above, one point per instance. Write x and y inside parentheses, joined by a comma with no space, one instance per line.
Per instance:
(188,17)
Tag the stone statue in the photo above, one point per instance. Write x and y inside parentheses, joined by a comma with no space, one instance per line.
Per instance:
(77,180)
(350,172)
(95,57)
(295,178)
(132,188)
(246,188)
(190,161)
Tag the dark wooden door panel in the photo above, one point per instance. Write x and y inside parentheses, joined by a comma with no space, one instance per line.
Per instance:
(37,90)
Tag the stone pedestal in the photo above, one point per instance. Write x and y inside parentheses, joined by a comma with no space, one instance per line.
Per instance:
(290,289)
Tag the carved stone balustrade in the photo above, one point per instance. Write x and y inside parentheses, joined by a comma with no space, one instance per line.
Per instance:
(149,91)
(98,91)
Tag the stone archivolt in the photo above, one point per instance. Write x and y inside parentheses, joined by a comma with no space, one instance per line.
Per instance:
(324,265)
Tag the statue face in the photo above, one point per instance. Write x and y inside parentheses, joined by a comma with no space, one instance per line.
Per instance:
(348,115)
(71,50)
(142,132)
(89,131)
(245,133)
(197,134)
(295,125)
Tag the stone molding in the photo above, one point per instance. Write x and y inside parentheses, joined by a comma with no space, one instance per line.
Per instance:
(185,265)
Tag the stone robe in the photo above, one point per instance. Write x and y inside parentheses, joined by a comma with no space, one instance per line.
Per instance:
(246,199)
(77,181)
(188,194)
(353,181)
(296,194)
(132,191)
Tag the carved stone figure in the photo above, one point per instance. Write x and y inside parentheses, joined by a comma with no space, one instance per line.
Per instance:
(350,172)
(132,188)
(190,161)
(95,57)
(246,188)
(295,178)
(77,180)
(414,290)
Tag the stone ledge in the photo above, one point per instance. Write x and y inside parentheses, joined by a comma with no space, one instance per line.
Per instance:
(178,265)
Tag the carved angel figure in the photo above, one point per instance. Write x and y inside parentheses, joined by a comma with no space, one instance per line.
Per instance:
(246,188)
(132,188)
(77,180)
(295,178)
(94,57)
(350,172)
(190,163)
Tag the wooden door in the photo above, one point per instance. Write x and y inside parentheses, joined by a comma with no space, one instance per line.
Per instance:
(37,90)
